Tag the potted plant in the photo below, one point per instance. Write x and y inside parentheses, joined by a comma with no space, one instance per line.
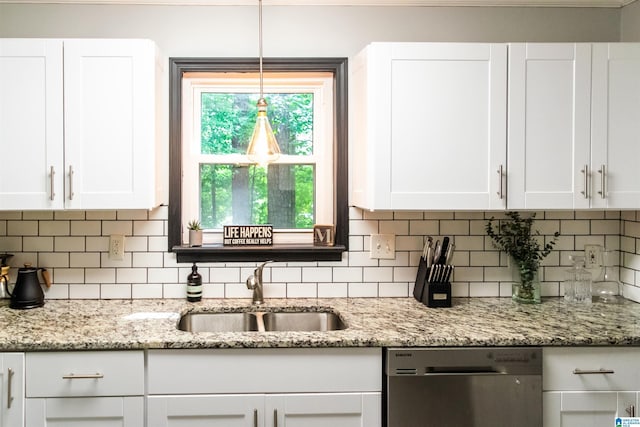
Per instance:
(515,237)
(195,233)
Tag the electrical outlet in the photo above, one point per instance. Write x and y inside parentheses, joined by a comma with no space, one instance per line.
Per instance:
(592,256)
(383,246)
(116,247)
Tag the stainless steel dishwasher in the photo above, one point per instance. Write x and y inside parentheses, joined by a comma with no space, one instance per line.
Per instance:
(455,387)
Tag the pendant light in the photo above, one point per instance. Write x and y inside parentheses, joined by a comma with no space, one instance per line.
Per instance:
(263,147)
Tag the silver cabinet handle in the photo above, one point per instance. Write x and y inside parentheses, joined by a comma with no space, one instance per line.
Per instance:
(631,410)
(275,418)
(52,173)
(9,382)
(255,418)
(73,376)
(585,172)
(593,371)
(603,174)
(500,189)
(70,182)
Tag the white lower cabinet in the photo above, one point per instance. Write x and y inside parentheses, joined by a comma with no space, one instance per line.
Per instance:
(589,387)
(11,389)
(92,388)
(291,410)
(264,387)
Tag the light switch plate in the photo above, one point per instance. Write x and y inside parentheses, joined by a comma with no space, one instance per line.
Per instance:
(383,246)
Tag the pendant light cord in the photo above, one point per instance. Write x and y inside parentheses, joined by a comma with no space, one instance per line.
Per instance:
(260,43)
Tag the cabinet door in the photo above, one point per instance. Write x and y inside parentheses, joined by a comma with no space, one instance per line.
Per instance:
(85,411)
(206,410)
(585,409)
(323,409)
(11,389)
(549,126)
(434,132)
(31,124)
(616,125)
(109,123)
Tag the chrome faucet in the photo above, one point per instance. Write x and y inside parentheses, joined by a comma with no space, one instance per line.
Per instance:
(254,282)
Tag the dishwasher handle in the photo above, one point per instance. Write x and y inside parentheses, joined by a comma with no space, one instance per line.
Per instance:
(462,370)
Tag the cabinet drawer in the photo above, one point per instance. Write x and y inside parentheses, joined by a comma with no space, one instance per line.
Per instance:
(95,373)
(591,368)
(260,370)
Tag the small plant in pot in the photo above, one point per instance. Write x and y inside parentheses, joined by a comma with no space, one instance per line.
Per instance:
(195,233)
(515,237)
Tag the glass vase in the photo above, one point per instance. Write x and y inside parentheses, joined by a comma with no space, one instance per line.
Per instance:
(525,288)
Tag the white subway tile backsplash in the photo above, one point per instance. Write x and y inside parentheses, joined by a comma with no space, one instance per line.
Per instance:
(69,275)
(302,290)
(54,228)
(84,291)
(22,228)
(37,215)
(100,275)
(131,275)
(394,289)
(378,274)
(163,275)
(146,259)
(86,228)
(37,244)
(317,274)
(333,290)
(84,260)
(101,215)
(73,245)
(69,244)
(146,290)
(111,291)
(117,227)
(148,228)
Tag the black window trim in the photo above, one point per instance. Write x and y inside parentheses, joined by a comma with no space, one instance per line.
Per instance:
(289,252)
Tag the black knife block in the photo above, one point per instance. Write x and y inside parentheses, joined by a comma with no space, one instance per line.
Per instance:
(437,294)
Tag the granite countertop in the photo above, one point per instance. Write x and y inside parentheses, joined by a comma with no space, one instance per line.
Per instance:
(372,322)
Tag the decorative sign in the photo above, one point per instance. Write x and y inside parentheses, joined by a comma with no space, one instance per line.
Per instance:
(247,235)
(323,235)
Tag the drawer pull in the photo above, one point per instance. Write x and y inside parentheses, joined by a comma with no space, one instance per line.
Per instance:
(9,391)
(73,376)
(593,371)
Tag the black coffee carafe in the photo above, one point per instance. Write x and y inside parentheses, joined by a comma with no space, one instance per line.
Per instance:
(27,292)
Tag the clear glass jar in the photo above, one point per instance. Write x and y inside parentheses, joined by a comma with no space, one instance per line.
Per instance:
(607,287)
(578,281)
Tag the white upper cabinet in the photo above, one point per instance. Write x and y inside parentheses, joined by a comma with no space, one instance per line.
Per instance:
(574,121)
(616,125)
(93,103)
(31,124)
(429,126)
(548,130)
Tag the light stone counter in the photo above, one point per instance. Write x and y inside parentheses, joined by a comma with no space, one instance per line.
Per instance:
(375,322)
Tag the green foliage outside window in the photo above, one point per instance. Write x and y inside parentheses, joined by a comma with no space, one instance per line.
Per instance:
(282,194)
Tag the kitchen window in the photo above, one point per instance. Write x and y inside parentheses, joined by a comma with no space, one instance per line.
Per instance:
(211,119)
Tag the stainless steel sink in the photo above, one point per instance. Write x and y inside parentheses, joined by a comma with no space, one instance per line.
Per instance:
(260,321)
(302,321)
(218,322)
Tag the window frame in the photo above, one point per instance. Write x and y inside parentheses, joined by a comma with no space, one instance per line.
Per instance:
(277,252)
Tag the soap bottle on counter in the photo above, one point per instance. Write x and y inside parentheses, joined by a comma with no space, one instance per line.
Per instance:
(194,285)
(577,283)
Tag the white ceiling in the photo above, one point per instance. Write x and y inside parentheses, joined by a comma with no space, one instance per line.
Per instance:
(527,3)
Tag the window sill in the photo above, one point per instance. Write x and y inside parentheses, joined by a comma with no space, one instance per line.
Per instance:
(220,253)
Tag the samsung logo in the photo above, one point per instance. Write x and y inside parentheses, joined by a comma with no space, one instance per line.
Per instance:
(403,354)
